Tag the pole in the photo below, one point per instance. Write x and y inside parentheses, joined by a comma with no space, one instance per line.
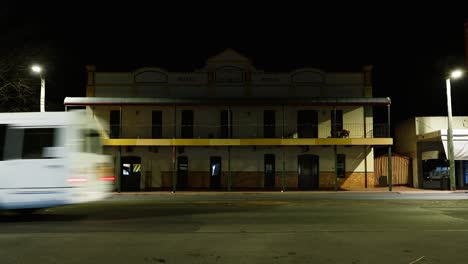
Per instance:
(389,166)
(42,99)
(229,122)
(450,137)
(229,181)
(365,147)
(336,167)
(174,169)
(283,176)
(119,168)
(120,122)
(174,165)
(282,125)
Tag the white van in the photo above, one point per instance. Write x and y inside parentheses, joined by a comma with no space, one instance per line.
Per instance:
(50,159)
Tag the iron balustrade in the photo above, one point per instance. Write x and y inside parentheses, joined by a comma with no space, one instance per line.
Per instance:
(239,131)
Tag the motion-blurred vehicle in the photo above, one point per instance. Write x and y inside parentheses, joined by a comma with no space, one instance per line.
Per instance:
(51,159)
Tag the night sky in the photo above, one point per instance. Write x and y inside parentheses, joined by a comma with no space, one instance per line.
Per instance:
(409,48)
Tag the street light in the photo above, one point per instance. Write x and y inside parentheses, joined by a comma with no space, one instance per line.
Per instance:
(453,75)
(38,69)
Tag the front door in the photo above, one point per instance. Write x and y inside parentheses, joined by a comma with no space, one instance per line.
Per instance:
(215,173)
(182,172)
(308,174)
(131,174)
(307,124)
(269,171)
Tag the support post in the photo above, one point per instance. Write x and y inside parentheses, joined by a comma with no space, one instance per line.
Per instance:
(174,165)
(336,167)
(389,153)
(229,180)
(174,169)
(119,168)
(451,154)
(282,132)
(283,175)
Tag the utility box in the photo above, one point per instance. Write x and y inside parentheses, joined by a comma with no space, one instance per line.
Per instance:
(383,181)
(445,183)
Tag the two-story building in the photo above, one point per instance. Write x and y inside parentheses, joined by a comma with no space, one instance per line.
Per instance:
(232,126)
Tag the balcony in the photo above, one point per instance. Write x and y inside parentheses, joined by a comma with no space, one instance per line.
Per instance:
(247,135)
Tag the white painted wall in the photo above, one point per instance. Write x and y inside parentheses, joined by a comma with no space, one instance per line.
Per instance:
(247,120)
(248,159)
(119,78)
(428,124)
(155,82)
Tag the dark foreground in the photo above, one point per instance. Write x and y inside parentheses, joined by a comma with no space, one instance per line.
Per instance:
(242,229)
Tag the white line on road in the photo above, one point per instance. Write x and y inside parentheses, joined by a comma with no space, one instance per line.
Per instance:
(416,260)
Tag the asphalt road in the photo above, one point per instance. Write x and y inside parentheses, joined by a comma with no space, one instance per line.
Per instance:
(244,228)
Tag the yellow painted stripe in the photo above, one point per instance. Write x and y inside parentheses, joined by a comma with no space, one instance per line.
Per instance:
(248,142)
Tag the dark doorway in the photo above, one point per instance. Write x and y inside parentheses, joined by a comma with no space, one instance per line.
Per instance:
(308,166)
(131,174)
(434,171)
(187,124)
(156,125)
(337,122)
(182,172)
(269,171)
(114,121)
(307,124)
(215,172)
(226,124)
(341,165)
(269,124)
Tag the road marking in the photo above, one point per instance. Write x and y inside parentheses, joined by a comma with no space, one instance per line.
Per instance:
(416,260)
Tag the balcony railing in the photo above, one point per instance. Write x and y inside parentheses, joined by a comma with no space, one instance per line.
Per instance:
(348,130)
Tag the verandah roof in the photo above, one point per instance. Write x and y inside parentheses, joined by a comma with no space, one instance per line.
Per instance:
(350,101)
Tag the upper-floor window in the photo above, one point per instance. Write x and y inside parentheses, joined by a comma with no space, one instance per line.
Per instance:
(226,124)
(336,122)
(114,122)
(156,124)
(307,124)
(269,124)
(187,124)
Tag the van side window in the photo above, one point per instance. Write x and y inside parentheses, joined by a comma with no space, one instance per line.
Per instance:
(35,140)
(91,141)
(2,140)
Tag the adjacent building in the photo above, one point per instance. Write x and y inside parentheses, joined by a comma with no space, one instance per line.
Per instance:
(424,139)
(231,126)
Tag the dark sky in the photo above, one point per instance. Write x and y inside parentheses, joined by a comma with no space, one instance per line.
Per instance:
(410,48)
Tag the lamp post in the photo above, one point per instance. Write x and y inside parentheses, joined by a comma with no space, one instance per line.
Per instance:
(453,75)
(38,69)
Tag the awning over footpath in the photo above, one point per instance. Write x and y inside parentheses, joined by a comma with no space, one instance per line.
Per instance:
(460,143)
(357,101)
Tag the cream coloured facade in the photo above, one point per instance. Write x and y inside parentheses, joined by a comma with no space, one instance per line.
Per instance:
(304,129)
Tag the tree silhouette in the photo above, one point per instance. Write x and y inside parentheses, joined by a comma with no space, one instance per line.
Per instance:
(23,43)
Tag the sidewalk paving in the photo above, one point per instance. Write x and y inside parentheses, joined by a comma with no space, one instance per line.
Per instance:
(395,189)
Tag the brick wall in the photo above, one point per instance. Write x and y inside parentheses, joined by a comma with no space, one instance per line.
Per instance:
(201,179)
(351,180)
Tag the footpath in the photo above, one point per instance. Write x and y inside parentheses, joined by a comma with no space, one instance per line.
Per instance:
(375,190)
